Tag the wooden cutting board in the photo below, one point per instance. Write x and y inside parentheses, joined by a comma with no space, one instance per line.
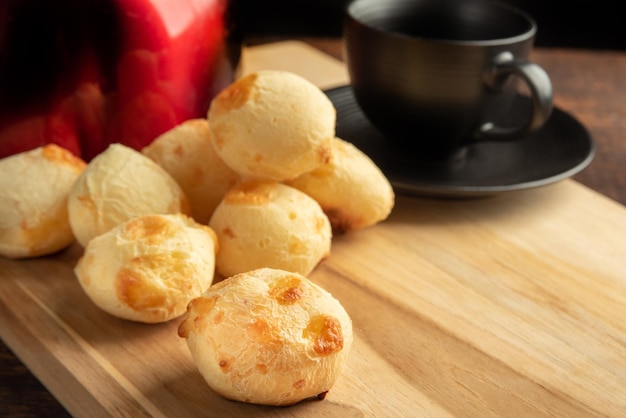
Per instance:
(513,305)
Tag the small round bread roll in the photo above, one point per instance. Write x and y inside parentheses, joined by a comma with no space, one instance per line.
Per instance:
(34,188)
(351,189)
(272,125)
(117,185)
(268,337)
(187,154)
(149,268)
(269,224)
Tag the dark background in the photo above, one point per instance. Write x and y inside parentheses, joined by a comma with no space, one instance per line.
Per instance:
(591,24)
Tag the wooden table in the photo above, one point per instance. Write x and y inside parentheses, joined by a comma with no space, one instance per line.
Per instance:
(588,84)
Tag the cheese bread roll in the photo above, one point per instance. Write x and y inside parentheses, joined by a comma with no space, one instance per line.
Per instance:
(34,189)
(187,154)
(117,185)
(351,189)
(268,337)
(149,268)
(269,224)
(272,125)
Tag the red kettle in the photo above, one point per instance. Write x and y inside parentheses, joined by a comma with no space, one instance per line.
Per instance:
(83,74)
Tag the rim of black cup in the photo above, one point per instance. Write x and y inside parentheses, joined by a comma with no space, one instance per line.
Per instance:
(356,12)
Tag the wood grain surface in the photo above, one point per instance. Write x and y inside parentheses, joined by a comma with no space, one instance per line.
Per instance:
(507,306)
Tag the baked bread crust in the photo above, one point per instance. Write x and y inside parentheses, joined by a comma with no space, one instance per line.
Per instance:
(351,189)
(269,224)
(34,189)
(268,337)
(272,125)
(149,268)
(187,154)
(117,185)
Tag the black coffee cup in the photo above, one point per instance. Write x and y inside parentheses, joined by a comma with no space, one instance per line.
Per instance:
(436,75)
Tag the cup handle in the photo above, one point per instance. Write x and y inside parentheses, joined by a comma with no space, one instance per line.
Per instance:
(538,82)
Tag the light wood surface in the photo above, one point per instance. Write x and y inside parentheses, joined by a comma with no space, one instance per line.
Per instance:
(506,306)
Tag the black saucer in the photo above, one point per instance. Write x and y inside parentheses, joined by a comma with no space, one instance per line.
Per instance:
(562,148)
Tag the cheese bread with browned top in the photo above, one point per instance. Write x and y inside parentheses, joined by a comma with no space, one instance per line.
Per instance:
(272,125)
(34,189)
(269,224)
(186,153)
(268,337)
(117,185)
(351,189)
(149,268)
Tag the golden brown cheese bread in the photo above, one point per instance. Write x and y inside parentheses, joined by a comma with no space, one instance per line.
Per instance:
(272,125)
(269,224)
(268,337)
(34,189)
(117,185)
(187,154)
(148,268)
(351,189)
